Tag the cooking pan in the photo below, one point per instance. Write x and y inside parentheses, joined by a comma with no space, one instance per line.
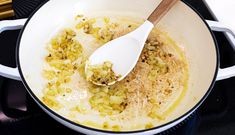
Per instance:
(182,23)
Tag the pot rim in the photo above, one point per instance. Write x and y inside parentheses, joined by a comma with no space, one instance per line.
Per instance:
(117,132)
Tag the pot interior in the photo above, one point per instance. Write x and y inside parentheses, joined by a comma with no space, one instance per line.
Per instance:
(182,24)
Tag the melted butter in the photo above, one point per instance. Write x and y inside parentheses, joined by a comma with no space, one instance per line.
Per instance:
(80,96)
(186,76)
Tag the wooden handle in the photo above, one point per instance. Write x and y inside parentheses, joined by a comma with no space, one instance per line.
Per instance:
(4,2)
(161,10)
(6,9)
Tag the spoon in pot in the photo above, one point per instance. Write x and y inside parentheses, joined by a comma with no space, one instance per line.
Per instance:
(124,52)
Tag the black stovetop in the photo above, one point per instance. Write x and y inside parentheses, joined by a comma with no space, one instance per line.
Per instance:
(19,114)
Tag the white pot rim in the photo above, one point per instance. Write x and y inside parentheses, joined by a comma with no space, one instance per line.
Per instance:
(179,119)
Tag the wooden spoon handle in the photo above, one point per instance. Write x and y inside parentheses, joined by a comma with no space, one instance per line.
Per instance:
(161,10)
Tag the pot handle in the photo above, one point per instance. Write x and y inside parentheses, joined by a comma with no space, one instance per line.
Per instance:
(5,71)
(229,72)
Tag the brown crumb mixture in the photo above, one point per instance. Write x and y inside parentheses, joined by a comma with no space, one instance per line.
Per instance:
(147,91)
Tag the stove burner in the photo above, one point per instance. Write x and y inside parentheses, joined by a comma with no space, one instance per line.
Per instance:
(23,8)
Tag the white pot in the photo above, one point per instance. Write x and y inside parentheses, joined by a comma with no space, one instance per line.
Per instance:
(182,23)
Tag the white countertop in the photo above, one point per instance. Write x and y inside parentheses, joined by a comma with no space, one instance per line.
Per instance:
(224,12)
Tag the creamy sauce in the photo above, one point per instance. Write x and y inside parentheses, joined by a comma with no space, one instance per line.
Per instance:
(142,100)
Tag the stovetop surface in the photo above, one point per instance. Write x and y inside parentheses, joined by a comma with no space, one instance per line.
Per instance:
(19,114)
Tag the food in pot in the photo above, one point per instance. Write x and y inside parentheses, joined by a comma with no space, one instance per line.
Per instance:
(144,99)
(101,73)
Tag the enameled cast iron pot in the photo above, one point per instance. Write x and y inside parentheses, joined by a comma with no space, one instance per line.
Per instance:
(182,23)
